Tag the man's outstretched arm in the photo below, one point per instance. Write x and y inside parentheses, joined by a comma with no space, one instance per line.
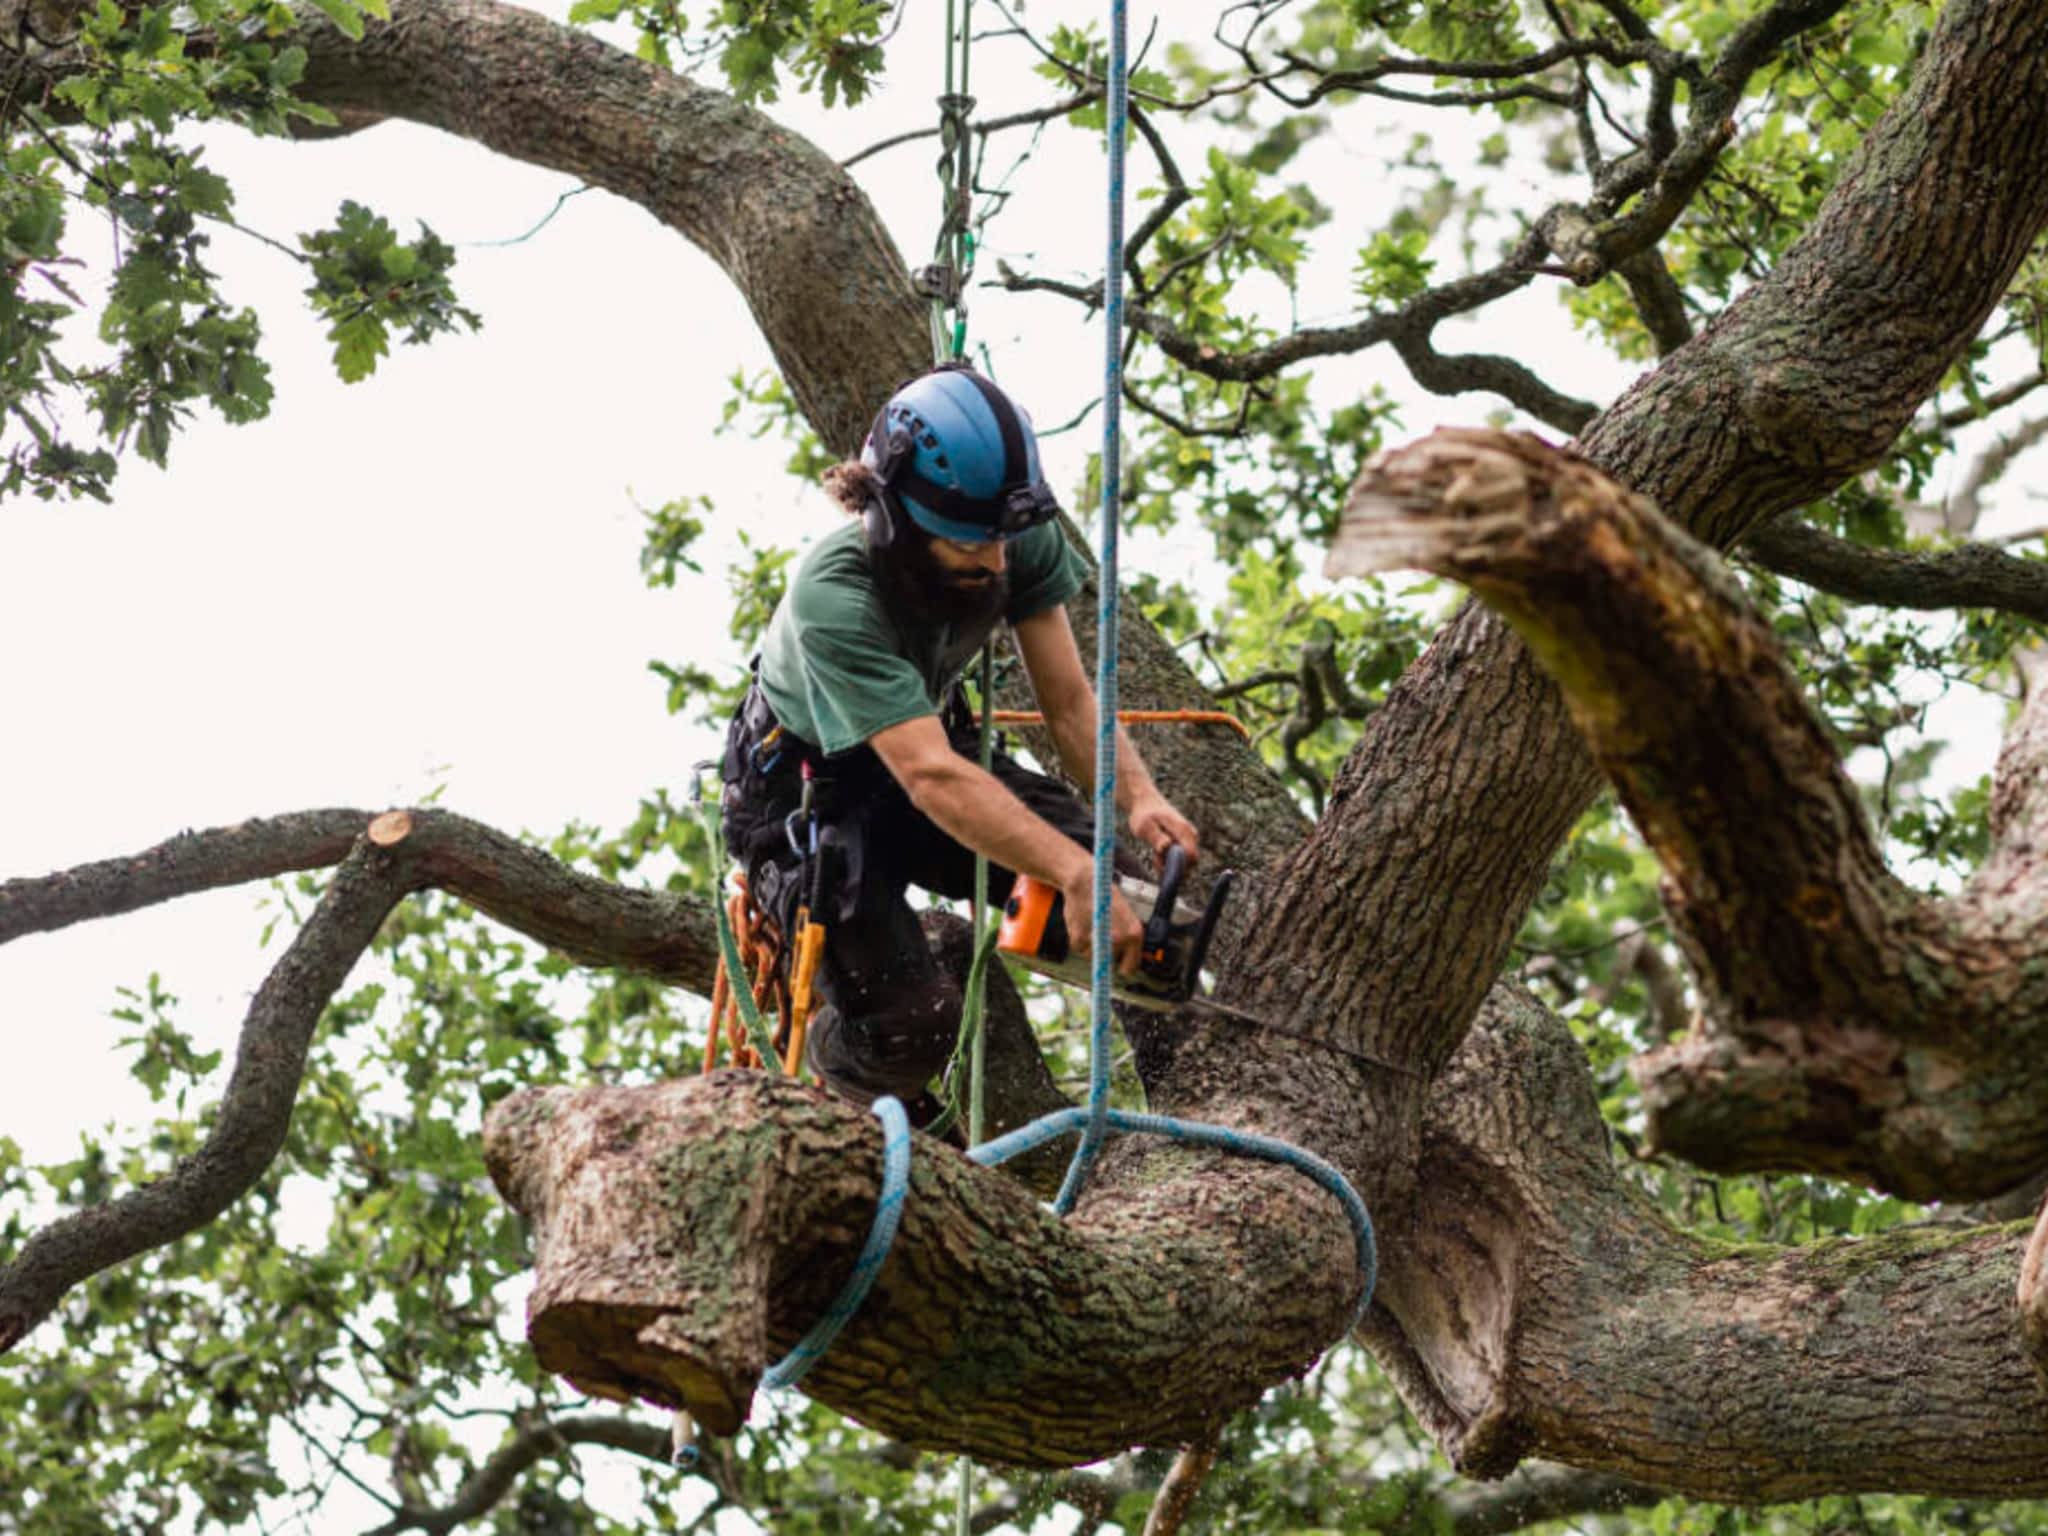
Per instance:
(1053,660)
(977,810)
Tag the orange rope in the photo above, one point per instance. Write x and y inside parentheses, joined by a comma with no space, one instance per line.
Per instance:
(761,947)
(1142,717)
(764,988)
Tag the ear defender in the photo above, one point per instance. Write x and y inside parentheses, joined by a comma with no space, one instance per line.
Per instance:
(879,521)
(889,448)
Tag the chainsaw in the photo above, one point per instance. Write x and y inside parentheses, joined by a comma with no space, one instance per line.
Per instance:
(1177,934)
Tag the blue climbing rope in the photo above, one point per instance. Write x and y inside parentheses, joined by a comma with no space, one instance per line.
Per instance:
(1242,1143)
(1097,1126)
(792,1367)
(1098,1119)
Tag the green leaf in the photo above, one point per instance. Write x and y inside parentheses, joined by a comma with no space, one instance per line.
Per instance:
(289,67)
(345,14)
(360,342)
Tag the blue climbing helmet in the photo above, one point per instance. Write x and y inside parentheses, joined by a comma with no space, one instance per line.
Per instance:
(959,458)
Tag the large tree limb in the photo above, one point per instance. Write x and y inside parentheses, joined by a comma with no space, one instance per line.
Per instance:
(1573,1322)
(1858,1028)
(689,1232)
(1443,822)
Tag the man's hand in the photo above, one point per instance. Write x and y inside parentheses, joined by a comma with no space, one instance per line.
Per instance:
(1126,933)
(1156,824)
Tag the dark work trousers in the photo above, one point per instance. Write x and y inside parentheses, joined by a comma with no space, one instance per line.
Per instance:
(891,1015)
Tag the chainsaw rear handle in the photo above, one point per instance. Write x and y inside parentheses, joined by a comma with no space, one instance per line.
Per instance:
(1173,868)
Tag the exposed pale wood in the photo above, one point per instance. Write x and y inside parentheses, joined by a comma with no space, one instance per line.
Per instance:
(390,829)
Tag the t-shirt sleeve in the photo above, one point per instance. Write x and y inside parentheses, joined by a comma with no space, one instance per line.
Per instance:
(854,686)
(1045,572)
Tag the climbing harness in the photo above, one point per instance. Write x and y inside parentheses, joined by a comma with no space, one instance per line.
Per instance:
(757,963)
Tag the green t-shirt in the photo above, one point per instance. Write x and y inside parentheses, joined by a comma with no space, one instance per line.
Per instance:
(837,667)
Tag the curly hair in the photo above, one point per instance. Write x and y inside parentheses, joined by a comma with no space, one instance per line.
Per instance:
(851,484)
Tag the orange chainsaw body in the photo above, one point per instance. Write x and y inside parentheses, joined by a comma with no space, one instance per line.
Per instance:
(1034,934)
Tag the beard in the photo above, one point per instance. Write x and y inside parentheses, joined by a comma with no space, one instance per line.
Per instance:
(915,584)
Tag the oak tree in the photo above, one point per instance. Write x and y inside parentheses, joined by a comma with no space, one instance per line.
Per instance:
(1814,227)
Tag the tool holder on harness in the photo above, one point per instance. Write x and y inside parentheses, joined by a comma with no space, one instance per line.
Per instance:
(772,964)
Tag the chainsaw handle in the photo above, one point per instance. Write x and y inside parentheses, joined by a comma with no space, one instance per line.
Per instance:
(1173,870)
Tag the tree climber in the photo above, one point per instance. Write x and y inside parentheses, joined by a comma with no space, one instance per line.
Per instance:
(856,694)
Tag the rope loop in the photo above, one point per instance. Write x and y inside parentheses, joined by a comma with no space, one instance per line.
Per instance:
(794,1366)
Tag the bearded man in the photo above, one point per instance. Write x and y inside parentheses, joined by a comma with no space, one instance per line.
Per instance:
(856,694)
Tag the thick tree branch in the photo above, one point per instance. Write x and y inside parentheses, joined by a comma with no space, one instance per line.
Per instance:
(587,919)
(687,1233)
(1858,1027)
(1965,576)
(1571,1321)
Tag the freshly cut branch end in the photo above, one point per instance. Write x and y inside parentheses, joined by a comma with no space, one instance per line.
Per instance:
(391,828)
(1439,503)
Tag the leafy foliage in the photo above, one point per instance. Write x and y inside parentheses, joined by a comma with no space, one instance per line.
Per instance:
(833,47)
(366,282)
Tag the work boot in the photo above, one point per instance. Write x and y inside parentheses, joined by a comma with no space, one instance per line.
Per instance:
(854,1066)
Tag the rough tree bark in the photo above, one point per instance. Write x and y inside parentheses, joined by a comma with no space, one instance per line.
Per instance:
(1856,1027)
(1530,1304)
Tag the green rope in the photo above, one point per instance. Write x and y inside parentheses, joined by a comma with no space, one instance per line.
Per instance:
(953,251)
(977,988)
(970,1048)
(737,981)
